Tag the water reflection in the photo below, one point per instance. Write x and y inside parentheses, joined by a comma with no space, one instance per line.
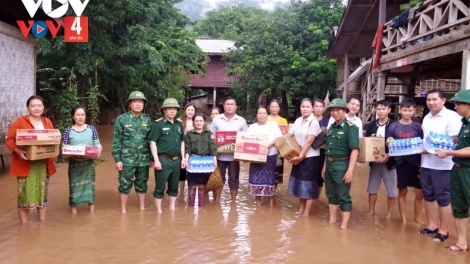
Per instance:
(217,233)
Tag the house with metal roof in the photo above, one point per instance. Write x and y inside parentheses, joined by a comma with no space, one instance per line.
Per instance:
(215,82)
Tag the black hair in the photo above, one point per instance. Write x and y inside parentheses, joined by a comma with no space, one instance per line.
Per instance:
(261,106)
(408,102)
(34,97)
(353,97)
(215,108)
(383,102)
(230,98)
(201,115)
(74,109)
(274,101)
(307,99)
(319,101)
(439,92)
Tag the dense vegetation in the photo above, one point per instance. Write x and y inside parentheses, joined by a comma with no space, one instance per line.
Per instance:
(147,46)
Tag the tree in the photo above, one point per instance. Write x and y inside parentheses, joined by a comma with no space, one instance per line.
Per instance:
(133,45)
(227,22)
(283,53)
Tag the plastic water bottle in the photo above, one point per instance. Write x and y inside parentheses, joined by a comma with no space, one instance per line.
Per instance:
(391,148)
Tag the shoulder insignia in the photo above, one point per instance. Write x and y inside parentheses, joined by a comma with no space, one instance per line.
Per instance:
(349,123)
(160,119)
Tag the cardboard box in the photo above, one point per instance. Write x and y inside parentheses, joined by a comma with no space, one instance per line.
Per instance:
(284,129)
(25,137)
(252,147)
(80,151)
(288,147)
(371,149)
(225,141)
(37,152)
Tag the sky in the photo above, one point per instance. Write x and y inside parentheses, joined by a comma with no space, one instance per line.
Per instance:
(195,9)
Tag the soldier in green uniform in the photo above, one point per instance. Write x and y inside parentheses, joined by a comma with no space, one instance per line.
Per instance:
(131,150)
(460,173)
(168,134)
(342,148)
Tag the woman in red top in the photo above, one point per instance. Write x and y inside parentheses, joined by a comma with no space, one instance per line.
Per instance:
(33,176)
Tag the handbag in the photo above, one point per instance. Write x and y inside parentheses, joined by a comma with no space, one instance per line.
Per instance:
(215,181)
(320,139)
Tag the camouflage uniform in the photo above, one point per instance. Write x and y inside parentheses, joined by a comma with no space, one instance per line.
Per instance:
(131,147)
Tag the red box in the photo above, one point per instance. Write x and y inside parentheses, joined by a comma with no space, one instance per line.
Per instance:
(80,151)
(284,129)
(28,137)
(252,147)
(225,141)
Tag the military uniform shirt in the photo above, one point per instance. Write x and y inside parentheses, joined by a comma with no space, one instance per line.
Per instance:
(167,136)
(341,139)
(131,140)
(464,141)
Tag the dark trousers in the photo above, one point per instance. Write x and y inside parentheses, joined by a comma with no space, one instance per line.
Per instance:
(233,172)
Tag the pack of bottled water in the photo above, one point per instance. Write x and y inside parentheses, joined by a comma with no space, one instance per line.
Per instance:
(406,146)
(438,141)
(201,164)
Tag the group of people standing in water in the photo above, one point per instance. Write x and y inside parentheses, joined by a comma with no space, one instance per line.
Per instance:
(167,145)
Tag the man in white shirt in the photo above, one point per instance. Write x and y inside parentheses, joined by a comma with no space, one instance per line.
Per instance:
(228,121)
(354,105)
(435,172)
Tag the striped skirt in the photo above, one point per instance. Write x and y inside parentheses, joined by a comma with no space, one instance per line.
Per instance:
(81,181)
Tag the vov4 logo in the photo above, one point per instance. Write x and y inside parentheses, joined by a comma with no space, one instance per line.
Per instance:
(75,28)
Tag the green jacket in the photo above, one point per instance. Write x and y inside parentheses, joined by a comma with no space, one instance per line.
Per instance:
(342,139)
(167,136)
(131,140)
(464,141)
(200,144)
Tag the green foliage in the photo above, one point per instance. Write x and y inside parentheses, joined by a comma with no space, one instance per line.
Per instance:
(280,53)
(93,107)
(133,45)
(66,100)
(227,22)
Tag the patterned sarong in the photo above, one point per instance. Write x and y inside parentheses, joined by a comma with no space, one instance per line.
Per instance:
(261,177)
(32,190)
(81,181)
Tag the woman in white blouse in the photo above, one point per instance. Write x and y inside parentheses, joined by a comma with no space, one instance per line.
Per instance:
(303,182)
(261,175)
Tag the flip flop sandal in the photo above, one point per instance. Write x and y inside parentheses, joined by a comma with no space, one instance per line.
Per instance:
(457,248)
(428,231)
(441,237)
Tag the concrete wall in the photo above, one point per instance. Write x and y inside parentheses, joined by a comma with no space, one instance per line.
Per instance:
(17,74)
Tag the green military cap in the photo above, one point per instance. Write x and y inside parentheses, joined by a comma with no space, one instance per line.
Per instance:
(462,96)
(338,102)
(136,95)
(170,102)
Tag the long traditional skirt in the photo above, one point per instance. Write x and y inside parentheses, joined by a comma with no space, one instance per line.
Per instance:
(32,190)
(81,181)
(261,177)
(303,181)
(279,172)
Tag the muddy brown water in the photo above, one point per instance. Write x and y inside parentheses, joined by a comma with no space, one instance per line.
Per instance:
(217,233)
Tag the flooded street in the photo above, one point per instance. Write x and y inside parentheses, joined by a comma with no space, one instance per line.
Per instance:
(217,233)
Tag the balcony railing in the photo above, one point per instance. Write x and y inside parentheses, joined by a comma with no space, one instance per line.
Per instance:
(433,20)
